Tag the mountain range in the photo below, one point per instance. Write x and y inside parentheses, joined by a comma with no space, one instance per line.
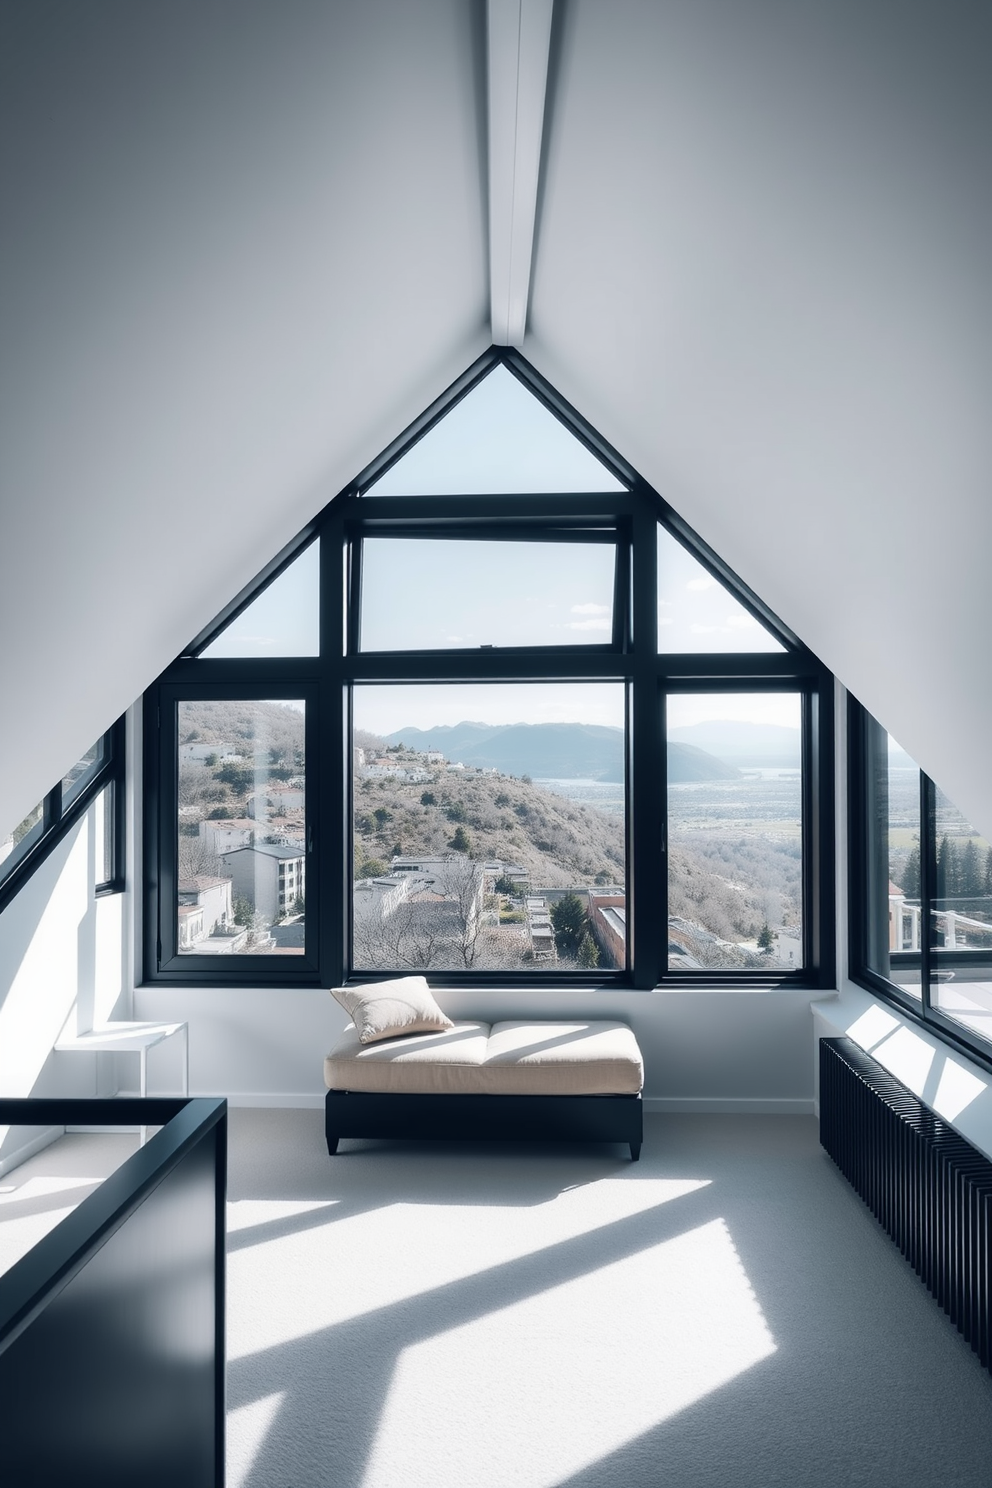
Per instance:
(744,744)
(553,751)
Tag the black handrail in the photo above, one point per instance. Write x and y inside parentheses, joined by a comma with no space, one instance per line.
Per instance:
(194,1132)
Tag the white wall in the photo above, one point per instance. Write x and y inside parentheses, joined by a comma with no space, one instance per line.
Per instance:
(63,955)
(702,1050)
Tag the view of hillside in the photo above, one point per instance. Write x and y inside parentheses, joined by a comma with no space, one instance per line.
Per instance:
(241,828)
(425,798)
(470,838)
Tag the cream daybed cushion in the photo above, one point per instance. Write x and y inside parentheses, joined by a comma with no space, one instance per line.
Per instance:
(519,1058)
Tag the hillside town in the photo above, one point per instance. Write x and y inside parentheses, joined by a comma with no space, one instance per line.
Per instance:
(456,866)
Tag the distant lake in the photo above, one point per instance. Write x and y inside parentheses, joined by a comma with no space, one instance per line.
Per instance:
(762,793)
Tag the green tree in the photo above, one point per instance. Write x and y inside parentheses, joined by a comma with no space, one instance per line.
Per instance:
(366,866)
(428,798)
(461,842)
(211,761)
(948,869)
(504,885)
(240,777)
(766,939)
(299,905)
(911,873)
(971,871)
(588,953)
(570,925)
(382,815)
(456,812)
(244,911)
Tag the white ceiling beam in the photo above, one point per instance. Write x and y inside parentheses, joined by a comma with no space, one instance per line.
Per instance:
(519,40)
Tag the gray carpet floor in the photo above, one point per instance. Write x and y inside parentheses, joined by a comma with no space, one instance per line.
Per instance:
(723,1314)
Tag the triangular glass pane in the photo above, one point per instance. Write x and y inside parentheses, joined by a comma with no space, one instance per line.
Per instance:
(283,620)
(696,613)
(499,440)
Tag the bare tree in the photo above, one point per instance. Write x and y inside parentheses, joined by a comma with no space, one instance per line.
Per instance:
(196,859)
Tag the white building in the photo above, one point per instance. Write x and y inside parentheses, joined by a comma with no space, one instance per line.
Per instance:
(269,877)
(221,836)
(211,897)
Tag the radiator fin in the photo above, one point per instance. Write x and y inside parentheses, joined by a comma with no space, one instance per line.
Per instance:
(928,1187)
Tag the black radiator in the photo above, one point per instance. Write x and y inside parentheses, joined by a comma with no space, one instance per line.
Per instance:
(928,1187)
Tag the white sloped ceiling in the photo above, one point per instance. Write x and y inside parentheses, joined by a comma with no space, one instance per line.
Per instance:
(243,245)
(763,269)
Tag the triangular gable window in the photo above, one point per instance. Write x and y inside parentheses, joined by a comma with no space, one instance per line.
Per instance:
(281,621)
(441,742)
(696,613)
(498,440)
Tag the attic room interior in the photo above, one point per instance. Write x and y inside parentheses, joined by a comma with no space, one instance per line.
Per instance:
(521,470)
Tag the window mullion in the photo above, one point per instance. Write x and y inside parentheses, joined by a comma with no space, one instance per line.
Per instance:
(928,885)
(647,875)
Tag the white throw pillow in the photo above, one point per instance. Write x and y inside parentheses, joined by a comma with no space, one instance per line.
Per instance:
(392,1009)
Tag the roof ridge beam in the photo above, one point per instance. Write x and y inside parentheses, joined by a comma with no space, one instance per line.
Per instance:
(519,39)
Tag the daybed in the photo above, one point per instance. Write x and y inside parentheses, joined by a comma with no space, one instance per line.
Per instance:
(510,1081)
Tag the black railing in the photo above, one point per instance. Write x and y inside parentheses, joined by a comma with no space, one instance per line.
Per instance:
(112,1353)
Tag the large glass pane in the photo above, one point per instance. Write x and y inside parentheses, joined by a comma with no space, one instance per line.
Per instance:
(495,843)
(961,921)
(20,841)
(241,828)
(696,613)
(735,832)
(283,621)
(428,594)
(498,439)
(894,916)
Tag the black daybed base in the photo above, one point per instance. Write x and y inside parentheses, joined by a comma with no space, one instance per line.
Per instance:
(514,1118)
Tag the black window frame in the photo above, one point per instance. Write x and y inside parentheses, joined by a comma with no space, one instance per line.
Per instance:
(62,809)
(208,681)
(629,518)
(863,734)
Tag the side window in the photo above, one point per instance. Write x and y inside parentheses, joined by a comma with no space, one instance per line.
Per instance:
(96,776)
(921,890)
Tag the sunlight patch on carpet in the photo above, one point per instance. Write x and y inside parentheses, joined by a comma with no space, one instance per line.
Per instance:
(290,1285)
(247,1428)
(537,1390)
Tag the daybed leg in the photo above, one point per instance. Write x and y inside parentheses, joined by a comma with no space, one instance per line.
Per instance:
(332,1145)
(635,1151)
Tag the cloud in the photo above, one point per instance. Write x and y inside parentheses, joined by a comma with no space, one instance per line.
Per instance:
(665,620)
(705,629)
(590,625)
(590,609)
(740,622)
(701,584)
